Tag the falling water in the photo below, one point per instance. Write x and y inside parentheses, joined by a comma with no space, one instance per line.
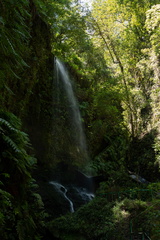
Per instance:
(63,191)
(76,122)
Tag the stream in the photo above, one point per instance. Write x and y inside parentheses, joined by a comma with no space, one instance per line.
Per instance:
(73,194)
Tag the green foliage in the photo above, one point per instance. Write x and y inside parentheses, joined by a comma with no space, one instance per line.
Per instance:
(101,219)
(108,135)
(122,33)
(141,157)
(21,212)
(14,141)
(120,39)
(155,188)
(89,222)
(14,36)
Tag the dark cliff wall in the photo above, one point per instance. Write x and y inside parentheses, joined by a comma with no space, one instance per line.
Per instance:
(38,111)
(26,70)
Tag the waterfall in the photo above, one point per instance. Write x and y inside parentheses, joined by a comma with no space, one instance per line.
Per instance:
(63,191)
(76,128)
(63,188)
(69,145)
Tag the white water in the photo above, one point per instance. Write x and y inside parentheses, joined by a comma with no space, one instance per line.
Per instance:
(65,98)
(63,191)
(77,127)
(84,194)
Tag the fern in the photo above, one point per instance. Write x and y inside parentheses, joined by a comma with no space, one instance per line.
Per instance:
(11,119)
(5,199)
(1,183)
(10,142)
(20,208)
(38,200)
(7,124)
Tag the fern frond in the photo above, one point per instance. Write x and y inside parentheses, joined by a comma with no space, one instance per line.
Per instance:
(38,200)
(11,46)
(20,229)
(1,183)
(12,144)
(6,175)
(8,89)
(6,195)
(8,125)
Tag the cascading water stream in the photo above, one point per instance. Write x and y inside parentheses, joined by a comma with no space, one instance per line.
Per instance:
(76,122)
(63,191)
(70,188)
(63,187)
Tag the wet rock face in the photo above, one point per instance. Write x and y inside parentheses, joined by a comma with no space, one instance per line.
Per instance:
(79,196)
(55,204)
(63,190)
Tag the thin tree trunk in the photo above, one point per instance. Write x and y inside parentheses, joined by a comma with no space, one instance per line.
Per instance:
(115,58)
